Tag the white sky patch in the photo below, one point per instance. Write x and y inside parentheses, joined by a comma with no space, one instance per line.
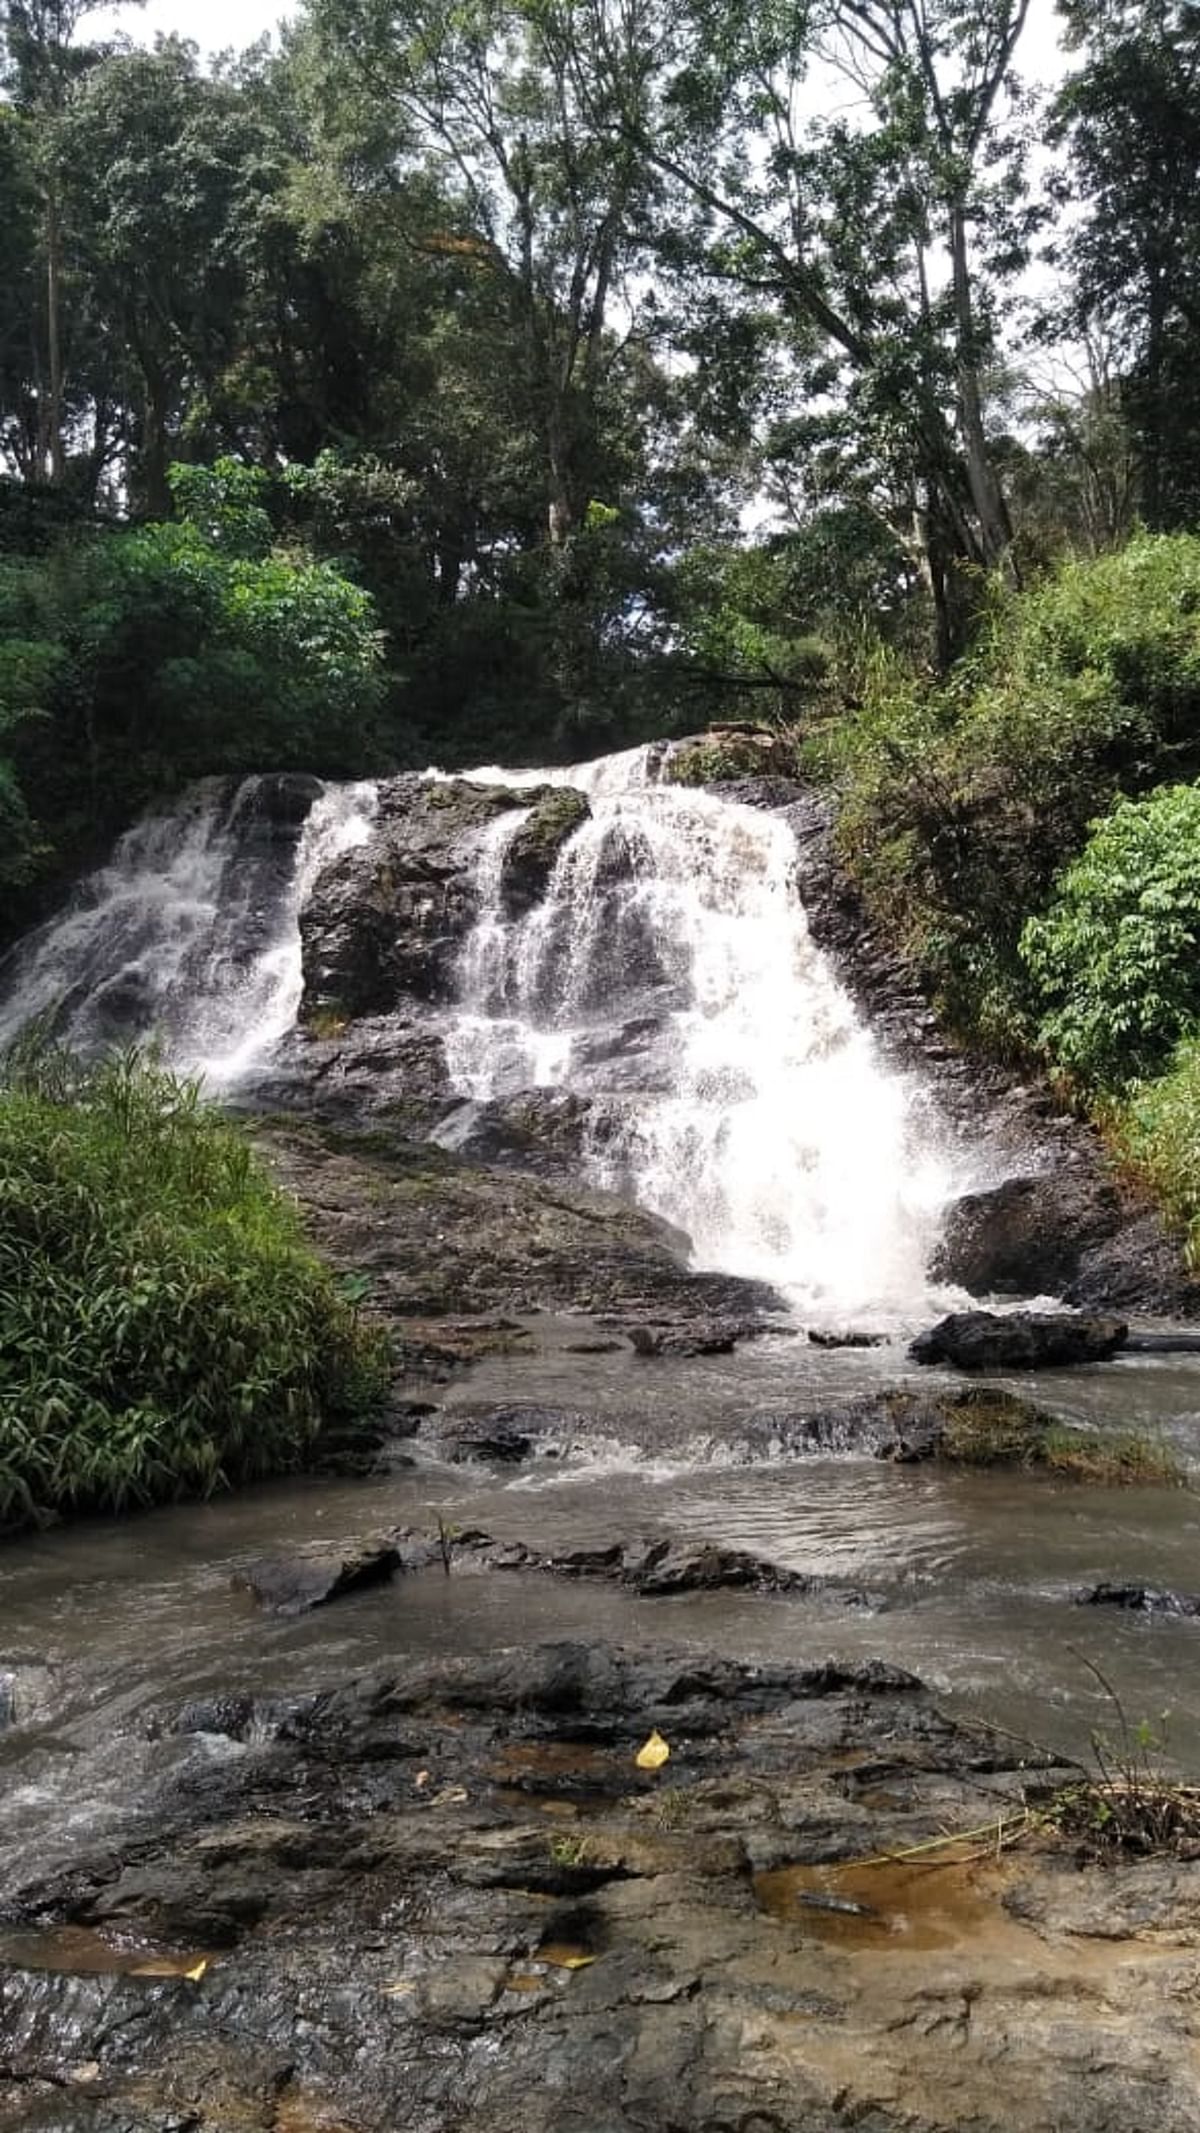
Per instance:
(215,25)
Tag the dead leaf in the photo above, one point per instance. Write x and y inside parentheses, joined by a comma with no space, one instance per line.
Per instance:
(654,1754)
(561,1957)
(400,1990)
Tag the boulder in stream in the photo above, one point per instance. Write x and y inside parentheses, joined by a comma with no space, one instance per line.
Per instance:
(1022,1340)
(1142,1600)
(292,1585)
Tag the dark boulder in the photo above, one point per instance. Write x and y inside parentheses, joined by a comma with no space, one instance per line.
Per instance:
(1025,1340)
(294,1585)
(1142,1600)
(386,923)
(1065,1232)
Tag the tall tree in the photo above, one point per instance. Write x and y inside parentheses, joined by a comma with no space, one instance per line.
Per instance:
(551,204)
(42,65)
(1130,116)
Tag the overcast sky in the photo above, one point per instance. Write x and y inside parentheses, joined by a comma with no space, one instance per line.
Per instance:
(218,24)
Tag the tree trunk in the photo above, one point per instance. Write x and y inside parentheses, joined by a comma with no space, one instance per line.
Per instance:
(987,497)
(56,440)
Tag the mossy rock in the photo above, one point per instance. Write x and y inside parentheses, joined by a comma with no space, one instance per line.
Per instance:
(533,853)
(727,753)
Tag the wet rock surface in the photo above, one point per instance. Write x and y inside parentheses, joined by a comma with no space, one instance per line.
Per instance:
(438,1237)
(386,923)
(292,1585)
(446,1896)
(1143,1600)
(1022,1340)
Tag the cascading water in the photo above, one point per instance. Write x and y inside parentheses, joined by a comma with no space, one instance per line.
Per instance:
(191,932)
(669,975)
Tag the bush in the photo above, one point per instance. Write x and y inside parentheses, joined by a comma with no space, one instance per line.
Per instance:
(962,803)
(1115,960)
(164,1328)
(1159,1130)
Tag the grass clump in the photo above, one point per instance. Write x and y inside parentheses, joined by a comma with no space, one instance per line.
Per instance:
(164,1327)
(986,1429)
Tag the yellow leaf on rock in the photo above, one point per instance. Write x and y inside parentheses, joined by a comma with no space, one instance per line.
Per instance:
(559,1956)
(654,1754)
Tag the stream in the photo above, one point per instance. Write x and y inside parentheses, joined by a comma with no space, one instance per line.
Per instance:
(737,1093)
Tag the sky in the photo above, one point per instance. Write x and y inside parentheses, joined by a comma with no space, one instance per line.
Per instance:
(217,25)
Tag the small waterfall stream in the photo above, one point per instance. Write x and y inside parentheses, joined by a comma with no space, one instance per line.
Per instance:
(669,974)
(191,931)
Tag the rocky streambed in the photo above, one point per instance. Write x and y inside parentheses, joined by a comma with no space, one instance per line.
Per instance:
(446,1895)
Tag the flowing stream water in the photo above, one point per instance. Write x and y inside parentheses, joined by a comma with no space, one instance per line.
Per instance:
(668,976)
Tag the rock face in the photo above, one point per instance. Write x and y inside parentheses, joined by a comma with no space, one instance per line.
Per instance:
(533,853)
(1028,1340)
(438,1237)
(445,1895)
(385,924)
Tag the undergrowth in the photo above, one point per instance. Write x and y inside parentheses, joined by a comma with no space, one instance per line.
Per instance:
(164,1328)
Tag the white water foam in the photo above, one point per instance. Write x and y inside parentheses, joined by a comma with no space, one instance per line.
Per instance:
(670,975)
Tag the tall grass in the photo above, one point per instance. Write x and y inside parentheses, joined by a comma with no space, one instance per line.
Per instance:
(164,1327)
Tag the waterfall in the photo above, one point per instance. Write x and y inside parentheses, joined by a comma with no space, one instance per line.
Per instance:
(190,934)
(669,975)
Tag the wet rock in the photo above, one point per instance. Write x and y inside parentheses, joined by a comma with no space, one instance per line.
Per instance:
(1026,1340)
(1066,1232)
(354,1072)
(445,1894)
(823,1337)
(1142,1599)
(541,1130)
(533,853)
(26,1692)
(441,1238)
(718,1339)
(385,923)
(292,1586)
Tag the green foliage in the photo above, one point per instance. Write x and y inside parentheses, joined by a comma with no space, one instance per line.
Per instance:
(164,1329)
(1115,959)
(1159,1130)
(133,661)
(962,803)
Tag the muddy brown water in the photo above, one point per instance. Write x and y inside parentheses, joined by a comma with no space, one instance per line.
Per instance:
(969,1580)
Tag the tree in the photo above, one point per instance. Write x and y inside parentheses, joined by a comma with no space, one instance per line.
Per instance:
(42,65)
(847,224)
(1130,118)
(550,206)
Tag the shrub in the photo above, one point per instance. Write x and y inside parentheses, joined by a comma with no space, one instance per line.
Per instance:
(1115,959)
(164,1328)
(962,803)
(1159,1130)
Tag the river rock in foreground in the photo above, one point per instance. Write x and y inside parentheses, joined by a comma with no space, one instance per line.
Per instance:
(446,1896)
(1026,1340)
